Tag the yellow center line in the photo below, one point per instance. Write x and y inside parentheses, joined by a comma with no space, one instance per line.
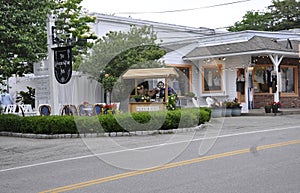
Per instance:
(166,166)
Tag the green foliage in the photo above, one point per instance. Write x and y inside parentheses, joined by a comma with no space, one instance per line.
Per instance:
(10,122)
(108,82)
(105,123)
(116,52)
(23,34)
(172,102)
(27,97)
(281,15)
(72,21)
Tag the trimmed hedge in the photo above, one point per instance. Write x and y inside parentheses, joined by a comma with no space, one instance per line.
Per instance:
(124,122)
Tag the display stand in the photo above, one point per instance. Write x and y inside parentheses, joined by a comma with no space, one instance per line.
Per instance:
(150,73)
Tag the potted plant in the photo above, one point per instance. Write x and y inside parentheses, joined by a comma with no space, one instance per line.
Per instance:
(216,109)
(268,108)
(137,98)
(275,106)
(236,108)
(228,108)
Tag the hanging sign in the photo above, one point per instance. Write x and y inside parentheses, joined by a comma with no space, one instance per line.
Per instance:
(63,64)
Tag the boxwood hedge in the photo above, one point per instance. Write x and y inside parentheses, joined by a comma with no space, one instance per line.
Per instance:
(124,122)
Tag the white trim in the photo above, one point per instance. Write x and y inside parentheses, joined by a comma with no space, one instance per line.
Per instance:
(243,53)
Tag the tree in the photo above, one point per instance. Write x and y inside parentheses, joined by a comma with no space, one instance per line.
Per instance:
(22,35)
(281,15)
(72,24)
(116,52)
(27,97)
(23,38)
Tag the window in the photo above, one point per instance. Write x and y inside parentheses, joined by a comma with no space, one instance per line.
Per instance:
(183,84)
(264,77)
(289,80)
(212,78)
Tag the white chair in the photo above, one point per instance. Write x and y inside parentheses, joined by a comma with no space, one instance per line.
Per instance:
(27,109)
(10,109)
(44,109)
(209,101)
(195,102)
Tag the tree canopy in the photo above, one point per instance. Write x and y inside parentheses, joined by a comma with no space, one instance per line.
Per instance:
(116,52)
(22,35)
(281,15)
(23,38)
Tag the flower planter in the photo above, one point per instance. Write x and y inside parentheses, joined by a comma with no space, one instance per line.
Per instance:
(267,109)
(275,109)
(228,112)
(236,111)
(216,112)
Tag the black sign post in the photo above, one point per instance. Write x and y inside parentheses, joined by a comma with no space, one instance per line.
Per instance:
(63,64)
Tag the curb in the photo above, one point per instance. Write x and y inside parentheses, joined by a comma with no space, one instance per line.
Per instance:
(94,135)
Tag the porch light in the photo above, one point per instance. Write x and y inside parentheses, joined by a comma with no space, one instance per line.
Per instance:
(250,67)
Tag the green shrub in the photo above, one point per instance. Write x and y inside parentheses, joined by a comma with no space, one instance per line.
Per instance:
(125,122)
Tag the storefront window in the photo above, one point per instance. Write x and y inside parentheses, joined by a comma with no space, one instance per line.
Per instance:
(262,78)
(288,79)
(212,78)
(265,80)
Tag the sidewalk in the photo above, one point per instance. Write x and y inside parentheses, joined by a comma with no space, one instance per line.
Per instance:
(282,111)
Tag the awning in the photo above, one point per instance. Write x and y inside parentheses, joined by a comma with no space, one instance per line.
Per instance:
(150,73)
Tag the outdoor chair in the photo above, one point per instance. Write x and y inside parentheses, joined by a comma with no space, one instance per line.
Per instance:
(45,109)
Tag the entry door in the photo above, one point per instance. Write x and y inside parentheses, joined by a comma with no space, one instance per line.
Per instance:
(240,85)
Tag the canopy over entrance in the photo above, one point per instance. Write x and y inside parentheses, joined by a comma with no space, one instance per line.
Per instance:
(150,73)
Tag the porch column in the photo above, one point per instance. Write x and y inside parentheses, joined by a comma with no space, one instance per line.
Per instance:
(54,103)
(276,60)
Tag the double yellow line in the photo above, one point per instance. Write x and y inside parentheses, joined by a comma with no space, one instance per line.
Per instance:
(167,166)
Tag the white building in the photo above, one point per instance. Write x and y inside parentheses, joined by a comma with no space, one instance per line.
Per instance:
(210,61)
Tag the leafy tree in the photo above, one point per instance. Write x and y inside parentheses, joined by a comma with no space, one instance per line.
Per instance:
(252,20)
(22,35)
(281,15)
(284,14)
(23,38)
(116,52)
(27,97)
(72,24)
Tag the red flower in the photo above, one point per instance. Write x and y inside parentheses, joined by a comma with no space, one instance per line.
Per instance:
(110,106)
(276,104)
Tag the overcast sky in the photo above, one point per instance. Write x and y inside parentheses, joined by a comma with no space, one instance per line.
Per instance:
(194,13)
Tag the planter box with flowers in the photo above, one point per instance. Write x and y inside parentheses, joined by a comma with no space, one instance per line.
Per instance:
(217,110)
(236,108)
(268,108)
(275,106)
(110,108)
(232,108)
(228,108)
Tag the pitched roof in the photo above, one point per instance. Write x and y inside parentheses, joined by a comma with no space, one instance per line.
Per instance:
(255,45)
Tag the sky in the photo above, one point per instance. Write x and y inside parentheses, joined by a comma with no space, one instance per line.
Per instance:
(215,14)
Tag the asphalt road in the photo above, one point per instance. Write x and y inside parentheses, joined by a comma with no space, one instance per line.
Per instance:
(238,154)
